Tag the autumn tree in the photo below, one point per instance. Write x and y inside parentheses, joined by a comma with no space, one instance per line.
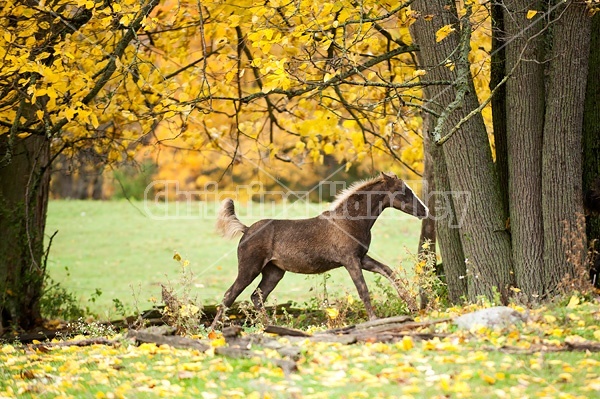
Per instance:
(62,61)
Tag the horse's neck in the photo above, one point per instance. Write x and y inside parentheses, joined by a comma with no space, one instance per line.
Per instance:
(363,208)
(371,205)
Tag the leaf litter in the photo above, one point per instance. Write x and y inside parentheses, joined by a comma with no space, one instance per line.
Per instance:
(554,353)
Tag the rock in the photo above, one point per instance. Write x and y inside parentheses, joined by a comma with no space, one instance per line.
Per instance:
(496,317)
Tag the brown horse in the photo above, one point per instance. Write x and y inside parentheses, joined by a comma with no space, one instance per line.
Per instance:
(337,237)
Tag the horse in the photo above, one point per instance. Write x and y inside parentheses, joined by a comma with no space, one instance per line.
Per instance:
(338,237)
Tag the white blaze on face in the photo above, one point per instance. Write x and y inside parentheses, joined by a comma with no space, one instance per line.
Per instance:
(417,199)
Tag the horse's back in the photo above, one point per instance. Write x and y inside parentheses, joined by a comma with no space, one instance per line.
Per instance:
(308,246)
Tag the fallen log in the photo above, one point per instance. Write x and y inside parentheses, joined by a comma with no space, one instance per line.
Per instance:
(172,340)
(582,346)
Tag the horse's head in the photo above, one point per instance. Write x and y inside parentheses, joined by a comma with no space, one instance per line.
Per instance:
(403,198)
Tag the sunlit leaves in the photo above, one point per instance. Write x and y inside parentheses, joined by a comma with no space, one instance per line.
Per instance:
(222,78)
(443,32)
(531,14)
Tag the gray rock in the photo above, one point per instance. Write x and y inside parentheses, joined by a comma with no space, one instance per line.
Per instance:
(496,317)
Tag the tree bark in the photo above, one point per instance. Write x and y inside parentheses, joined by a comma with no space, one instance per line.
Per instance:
(448,233)
(591,136)
(442,214)
(524,127)
(561,158)
(497,73)
(428,224)
(471,171)
(23,205)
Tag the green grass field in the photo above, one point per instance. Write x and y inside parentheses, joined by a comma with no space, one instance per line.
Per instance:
(126,252)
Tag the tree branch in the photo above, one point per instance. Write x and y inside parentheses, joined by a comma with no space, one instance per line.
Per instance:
(111,67)
(462,79)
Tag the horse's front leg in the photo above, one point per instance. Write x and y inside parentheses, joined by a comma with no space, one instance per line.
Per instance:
(375,266)
(355,270)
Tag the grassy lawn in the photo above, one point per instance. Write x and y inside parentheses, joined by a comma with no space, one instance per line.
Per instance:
(126,250)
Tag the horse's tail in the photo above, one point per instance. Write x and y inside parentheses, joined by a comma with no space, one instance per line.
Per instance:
(228,225)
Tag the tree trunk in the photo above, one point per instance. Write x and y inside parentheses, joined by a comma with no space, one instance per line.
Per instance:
(471,171)
(441,209)
(428,224)
(591,137)
(448,233)
(525,124)
(497,73)
(562,201)
(23,205)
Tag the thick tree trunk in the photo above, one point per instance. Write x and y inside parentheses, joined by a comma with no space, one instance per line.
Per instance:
(23,204)
(471,171)
(525,124)
(497,73)
(591,138)
(562,162)
(448,233)
(442,215)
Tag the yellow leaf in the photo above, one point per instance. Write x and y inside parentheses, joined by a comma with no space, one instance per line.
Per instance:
(573,302)
(126,19)
(597,334)
(488,378)
(531,14)
(443,32)
(217,342)
(177,257)
(94,121)
(549,318)
(419,72)
(445,382)
(407,343)
(234,20)
(328,148)
(565,377)
(70,113)
(332,313)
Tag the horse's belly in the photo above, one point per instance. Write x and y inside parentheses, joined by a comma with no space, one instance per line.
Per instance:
(305,265)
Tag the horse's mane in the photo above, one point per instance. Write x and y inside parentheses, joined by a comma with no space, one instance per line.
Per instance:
(360,185)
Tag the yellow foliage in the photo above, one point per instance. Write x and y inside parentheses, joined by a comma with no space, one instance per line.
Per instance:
(193,97)
(443,32)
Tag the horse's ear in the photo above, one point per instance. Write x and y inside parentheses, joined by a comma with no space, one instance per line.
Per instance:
(389,179)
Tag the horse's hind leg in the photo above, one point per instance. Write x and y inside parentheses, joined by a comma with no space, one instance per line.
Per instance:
(271,276)
(375,266)
(247,272)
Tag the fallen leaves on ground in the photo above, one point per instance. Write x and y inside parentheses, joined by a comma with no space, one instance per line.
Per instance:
(464,364)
